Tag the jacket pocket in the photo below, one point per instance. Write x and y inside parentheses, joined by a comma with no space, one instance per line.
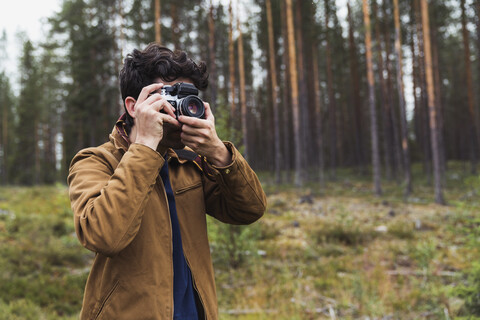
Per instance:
(190,187)
(105,300)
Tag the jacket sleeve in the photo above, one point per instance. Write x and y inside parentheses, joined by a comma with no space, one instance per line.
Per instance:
(234,194)
(108,201)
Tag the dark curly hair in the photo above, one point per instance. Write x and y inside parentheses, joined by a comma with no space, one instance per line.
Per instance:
(141,68)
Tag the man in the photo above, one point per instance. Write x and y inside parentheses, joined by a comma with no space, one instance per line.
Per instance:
(140,200)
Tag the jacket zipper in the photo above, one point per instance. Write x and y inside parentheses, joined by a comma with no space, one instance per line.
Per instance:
(196,289)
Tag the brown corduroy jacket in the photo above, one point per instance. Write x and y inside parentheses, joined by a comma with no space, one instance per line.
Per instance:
(121,213)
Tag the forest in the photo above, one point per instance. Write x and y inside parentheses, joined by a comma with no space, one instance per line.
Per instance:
(302,87)
(360,117)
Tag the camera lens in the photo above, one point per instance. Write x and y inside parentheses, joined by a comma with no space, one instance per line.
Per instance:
(191,106)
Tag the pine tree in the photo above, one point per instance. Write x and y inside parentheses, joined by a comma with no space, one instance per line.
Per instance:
(294,94)
(431,104)
(371,95)
(401,100)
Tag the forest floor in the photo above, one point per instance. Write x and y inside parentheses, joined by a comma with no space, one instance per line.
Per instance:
(331,252)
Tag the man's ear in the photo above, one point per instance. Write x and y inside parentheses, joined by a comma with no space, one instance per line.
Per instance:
(130,105)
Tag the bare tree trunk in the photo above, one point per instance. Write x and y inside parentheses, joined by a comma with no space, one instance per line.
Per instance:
(371,94)
(438,99)
(397,148)
(318,116)
(423,110)
(36,175)
(401,101)
(274,91)
(212,64)
(5,138)
(158,23)
(231,71)
(120,45)
(386,106)
(331,100)
(287,110)
(357,101)
(431,104)
(477,115)
(294,95)
(303,95)
(243,102)
(468,80)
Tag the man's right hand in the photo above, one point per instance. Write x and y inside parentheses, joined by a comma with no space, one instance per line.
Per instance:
(148,118)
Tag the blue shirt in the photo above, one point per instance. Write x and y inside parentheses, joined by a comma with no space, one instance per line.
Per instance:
(184,307)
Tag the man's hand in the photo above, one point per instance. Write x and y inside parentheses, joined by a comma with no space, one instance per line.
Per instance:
(148,118)
(201,136)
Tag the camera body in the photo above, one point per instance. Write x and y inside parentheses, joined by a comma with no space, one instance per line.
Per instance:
(184,98)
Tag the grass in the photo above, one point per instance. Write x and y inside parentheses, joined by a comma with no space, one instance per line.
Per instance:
(318,253)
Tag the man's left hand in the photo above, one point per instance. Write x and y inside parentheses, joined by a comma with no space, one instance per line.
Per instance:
(201,136)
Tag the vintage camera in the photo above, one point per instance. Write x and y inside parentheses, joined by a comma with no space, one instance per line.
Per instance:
(184,98)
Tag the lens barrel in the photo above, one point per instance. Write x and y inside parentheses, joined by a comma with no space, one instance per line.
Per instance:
(191,106)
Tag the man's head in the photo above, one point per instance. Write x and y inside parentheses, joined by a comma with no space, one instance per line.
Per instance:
(142,68)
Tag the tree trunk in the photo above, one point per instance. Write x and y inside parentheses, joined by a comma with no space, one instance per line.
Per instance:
(371,94)
(294,94)
(5,138)
(212,64)
(438,99)
(423,110)
(401,101)
(331,100)
(355,85)
(468,80)
(303,94)
(386,106)
(158,23)
(431,104)
(231,71)
(243,102)
(274,92)
(318,116)
(287,110)
(396,144)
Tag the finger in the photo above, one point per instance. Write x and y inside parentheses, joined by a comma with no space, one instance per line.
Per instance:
(147,90)
(208,111)
(165,118)
(195,132)
(164,105)
(193,122)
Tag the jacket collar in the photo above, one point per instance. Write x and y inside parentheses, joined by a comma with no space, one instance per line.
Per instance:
(119,138)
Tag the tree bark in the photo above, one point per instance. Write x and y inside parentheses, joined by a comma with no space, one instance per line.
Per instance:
(371,94)
(401,101)
(355,85)
(468,80)
(231,71)
(303,94)
(294,95)
(332,107)
(431,104)
(274,92)
(386,106)
(212,64)
(318,116)
(243,102)
(423,103)
(158,24)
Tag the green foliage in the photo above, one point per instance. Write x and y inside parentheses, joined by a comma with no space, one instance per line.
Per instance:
(43,267)
(346,231)
(232,245)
